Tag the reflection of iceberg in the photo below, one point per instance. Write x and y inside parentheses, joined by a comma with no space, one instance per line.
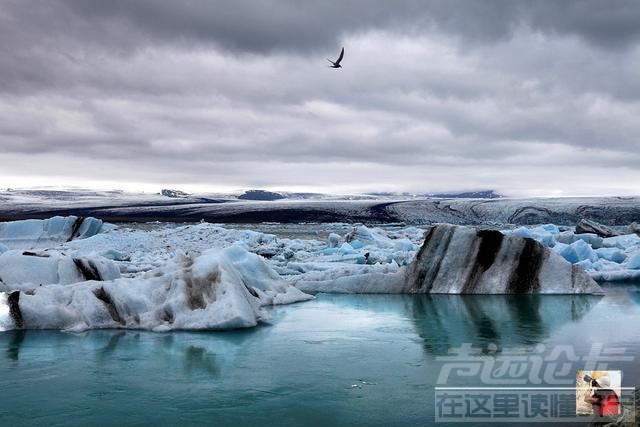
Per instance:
(634,295)
(198,354)
(198,360)
(15,339)
(446,321)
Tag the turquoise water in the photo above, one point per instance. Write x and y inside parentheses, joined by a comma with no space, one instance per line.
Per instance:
(336,360)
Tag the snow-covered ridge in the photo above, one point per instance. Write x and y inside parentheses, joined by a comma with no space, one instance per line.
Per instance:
(498,212)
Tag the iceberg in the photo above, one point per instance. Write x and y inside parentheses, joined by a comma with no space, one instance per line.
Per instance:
(38,233)
(462,260)
(27,270)
(219,289)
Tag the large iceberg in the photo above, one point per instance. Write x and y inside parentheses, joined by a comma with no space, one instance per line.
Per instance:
(462,260)
(219,289)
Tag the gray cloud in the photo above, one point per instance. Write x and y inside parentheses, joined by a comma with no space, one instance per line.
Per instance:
(268,25)
(493,93)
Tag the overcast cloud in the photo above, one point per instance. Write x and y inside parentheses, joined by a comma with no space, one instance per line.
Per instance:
(525,97)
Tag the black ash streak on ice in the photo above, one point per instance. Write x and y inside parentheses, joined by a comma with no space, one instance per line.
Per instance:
(490,241)
(88,269)
(525,276)
(103,296)
(76,228)
(14,309)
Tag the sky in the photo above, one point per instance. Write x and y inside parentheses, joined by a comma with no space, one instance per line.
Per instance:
(529,98)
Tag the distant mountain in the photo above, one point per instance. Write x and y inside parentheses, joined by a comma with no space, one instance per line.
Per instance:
(305,196)
(486,194)
(260,195)
(176,194)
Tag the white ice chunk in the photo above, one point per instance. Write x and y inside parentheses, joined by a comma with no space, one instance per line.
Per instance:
(592,239)
(6,322)
(543,234)
(551,228)
(584,251)
(569,237)
(615,275)
(625,241)
(362,236)
(333,240)
(634,261)
(611,254)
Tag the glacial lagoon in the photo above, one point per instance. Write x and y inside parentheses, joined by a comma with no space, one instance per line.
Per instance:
(336,360)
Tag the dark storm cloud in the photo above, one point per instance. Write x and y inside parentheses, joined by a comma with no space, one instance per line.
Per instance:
(267,25)
(497,91)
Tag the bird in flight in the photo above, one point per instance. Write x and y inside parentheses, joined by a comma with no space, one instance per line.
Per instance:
(337,63)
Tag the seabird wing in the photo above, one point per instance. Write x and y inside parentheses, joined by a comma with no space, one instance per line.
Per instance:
(340,57)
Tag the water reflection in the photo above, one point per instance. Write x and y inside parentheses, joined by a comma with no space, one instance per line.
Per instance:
(446,321)
(15,339)
(301,367)
(634,295)
(200,361)
(112,343)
